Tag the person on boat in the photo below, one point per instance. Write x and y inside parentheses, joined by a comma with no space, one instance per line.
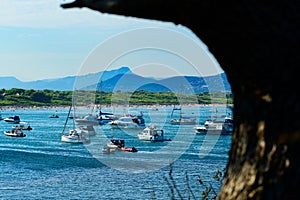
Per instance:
(17,132)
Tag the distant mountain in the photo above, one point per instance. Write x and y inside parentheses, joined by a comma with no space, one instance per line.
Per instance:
(123,79)
(61,84)
(89,81)
(123,82)
(10,82)
(182,84)
(190,84)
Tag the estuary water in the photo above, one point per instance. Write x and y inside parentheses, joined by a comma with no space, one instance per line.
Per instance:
(40,166)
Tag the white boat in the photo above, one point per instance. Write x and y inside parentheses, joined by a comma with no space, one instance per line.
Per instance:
(200,130)
(209,126)
(74,136)
(13,119)
(217,127)
(89,119)
(105,118)
(129,122)
(15,133)
(227,126)
(152,134)
(182,120)
(116,144)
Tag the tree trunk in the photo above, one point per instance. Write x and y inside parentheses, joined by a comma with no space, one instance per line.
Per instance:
(257,44)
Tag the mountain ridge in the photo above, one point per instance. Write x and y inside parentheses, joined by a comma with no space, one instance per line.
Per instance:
(123,79)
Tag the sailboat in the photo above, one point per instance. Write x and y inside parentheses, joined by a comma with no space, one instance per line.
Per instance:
(104,117)
(74,135)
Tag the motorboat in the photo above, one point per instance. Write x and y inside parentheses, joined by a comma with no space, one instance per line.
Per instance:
(15,133)
(129,122)
(89,119)
(23,126)
(13,119)
(105,118)
(200,130)
(224,127)
(116,144)
(182,120)
(152,134)
(227,126)
(75,136)
(53,116)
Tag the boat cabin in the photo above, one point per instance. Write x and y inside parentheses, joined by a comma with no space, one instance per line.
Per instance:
(118,142)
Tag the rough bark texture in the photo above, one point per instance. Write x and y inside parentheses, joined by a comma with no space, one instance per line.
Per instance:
(257,44)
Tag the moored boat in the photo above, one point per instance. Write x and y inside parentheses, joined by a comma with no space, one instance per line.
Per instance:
(89,119)
(224,127)
(116,144)
(13,119)
(53,116)
(182,120)
(129,122)
(23,126)
(152,134)
(74,136)
(15,133)
(105,118)
(200,130)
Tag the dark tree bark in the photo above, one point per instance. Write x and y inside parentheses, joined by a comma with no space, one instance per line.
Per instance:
(257,44)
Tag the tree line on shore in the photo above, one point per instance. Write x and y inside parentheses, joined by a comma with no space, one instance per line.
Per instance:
(22,97)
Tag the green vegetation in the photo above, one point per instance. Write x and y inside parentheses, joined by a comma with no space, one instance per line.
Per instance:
(21,97)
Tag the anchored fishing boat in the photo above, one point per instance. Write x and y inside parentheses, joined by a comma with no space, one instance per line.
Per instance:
(182,120)
(116,144)
(129,122)
(152,134)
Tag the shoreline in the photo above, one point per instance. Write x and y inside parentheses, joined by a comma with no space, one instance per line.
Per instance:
(2,108)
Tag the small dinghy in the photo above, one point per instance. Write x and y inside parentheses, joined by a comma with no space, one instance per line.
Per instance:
(15,133)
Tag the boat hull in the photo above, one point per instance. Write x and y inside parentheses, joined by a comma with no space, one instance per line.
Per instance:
(14,134)
(74,140)
(152,134)
(182,122)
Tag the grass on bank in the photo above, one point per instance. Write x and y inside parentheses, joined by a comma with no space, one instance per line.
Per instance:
(21,97)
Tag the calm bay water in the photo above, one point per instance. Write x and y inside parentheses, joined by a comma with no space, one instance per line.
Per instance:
(40,166)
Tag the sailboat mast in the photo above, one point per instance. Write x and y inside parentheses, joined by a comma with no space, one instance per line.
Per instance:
(99,88)
(66,120)
(100,96)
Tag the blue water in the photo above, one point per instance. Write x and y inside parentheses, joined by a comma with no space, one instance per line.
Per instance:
(40,166)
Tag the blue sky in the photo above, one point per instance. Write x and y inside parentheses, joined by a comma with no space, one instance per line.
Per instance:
(40,40)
